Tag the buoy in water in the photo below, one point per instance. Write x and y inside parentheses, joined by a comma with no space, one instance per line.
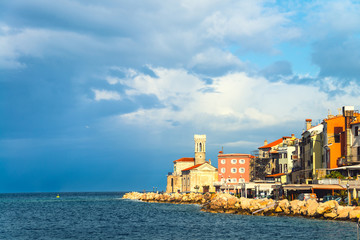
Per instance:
(58,196)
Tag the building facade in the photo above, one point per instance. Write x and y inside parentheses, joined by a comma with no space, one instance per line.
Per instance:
(193,174)
(311,151)
(234,168)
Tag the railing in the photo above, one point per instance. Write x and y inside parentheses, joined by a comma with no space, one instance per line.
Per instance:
(329,181)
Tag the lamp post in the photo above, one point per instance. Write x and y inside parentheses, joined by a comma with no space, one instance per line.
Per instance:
(347,187)
(229,184)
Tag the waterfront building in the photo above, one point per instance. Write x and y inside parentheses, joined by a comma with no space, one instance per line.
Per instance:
(277,157)
(311,151)
(337,138)
(193,174)
(233,168)
(355,143)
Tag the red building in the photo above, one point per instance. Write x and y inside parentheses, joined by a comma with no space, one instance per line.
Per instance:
(234,168)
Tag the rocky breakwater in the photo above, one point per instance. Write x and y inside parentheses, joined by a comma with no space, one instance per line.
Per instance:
(176,198)
(226,203)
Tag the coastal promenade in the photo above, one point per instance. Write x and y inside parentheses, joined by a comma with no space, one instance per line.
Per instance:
(226,203)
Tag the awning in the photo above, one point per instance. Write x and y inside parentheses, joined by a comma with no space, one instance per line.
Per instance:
(276,175)
(297,187)
(354,167)
(303,187)
(328,187)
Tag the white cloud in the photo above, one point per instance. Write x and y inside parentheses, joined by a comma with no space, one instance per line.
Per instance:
(106,95)
(322,21)
(237,101)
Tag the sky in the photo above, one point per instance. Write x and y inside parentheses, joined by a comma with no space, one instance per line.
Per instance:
(104,95)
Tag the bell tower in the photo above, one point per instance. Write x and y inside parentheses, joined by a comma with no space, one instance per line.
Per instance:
(200,148)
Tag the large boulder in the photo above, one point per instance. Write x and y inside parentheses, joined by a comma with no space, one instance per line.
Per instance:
(343,212)
(295,206)
(245,203)
(326,207)
(331,214)
(312,206)
(354,213)
(284,205)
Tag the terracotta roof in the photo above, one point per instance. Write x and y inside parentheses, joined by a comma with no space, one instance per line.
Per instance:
(185,160)
(234,154)
(272,144)
(332,117)
(274,151)
(276,175)
(312,128)
(195,166)
(357,121)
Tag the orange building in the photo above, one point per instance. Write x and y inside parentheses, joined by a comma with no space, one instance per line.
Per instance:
(234,168)
(337,141)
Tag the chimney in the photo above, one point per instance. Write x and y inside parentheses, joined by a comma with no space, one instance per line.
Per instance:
(292,135)
(265,142)
(308,124)
(209,161)
(348,113)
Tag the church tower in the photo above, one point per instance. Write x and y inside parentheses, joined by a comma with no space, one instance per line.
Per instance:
(200,148)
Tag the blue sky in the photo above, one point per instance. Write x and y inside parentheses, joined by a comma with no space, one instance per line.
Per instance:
(104,95)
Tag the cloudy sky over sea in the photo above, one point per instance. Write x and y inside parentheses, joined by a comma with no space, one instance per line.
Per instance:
(104,95)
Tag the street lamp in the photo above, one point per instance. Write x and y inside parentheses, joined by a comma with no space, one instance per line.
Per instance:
(229,184)
(347,187)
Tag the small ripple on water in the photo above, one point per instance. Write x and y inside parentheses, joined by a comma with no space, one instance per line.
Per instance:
(105,216)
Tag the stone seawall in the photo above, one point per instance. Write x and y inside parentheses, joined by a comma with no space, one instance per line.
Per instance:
(226,203)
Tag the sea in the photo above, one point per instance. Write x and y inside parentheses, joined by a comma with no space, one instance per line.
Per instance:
(104,215)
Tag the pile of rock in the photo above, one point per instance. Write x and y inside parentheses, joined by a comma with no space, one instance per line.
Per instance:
(176,198)
(226,203)
(310,208)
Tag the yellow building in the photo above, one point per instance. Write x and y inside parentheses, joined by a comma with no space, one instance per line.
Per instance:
(193,174)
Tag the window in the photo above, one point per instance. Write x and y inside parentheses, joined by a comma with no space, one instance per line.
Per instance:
(242,161)
(358,151)
(241,180)
(241,170)
(280,168)
(223,161)
(233,161)
(337,138)
(285,155)
(233,170)
(223,170)
(233,180)
(285,168)
(356,131)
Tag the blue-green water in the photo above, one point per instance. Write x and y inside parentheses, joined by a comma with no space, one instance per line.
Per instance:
(107,216)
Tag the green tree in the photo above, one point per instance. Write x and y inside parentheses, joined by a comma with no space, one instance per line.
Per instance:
(334,174)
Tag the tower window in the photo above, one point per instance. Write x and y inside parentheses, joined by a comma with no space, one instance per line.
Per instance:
(223,161)
(242,170)
(233,170)
(223,170)
(233,161)
(242,161)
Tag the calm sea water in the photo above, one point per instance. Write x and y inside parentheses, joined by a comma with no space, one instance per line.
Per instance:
(107,216)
